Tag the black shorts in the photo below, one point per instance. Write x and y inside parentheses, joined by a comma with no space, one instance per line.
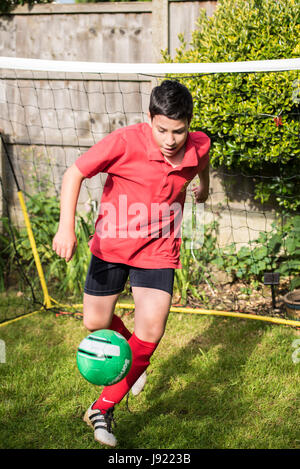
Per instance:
(106,278)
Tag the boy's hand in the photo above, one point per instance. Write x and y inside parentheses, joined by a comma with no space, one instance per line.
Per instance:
(201,193)
(65,244)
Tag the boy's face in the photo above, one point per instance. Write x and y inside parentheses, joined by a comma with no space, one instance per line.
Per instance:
(169,134)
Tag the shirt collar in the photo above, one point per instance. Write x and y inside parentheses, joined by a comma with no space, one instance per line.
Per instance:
(154,153)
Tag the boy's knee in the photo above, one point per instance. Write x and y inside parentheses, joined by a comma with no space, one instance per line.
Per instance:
(153,333)
(95,324)
(98,311)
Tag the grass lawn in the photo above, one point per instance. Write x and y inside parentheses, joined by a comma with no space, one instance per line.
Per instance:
(213,383)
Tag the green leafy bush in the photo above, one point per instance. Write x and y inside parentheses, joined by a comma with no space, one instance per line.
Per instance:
(253,119)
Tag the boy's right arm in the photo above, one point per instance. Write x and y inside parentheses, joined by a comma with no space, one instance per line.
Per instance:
(65,242)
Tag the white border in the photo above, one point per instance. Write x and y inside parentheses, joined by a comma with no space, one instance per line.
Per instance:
(14,63)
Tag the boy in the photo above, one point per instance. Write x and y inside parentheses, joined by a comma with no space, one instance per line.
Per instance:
(136,234)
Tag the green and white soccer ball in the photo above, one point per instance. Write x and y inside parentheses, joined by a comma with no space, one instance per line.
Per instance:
(104,357)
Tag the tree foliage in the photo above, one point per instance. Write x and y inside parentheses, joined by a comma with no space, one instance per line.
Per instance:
(253,119)
(115,1)
(6,6)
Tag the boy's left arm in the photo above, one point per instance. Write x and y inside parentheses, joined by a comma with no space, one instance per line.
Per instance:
(201,192)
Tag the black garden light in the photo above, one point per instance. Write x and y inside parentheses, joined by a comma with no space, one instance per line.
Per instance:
(272,278)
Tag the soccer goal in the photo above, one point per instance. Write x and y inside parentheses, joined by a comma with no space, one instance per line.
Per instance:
(53,111)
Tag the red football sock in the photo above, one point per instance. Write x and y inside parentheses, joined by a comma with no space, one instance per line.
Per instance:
(141,354)
(118,326)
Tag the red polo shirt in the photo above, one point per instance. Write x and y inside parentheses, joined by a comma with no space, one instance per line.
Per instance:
(143,197)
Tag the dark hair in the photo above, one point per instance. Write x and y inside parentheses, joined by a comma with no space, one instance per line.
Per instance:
(171,99)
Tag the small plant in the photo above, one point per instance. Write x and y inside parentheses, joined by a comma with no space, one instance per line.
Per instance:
(278,250)
(76,269)
(195,264)
(44,214)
